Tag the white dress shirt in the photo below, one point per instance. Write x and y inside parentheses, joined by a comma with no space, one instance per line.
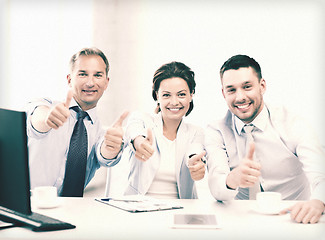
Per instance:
(48,151)
(292,160)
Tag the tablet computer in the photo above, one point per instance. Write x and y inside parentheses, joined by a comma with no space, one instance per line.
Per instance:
(206,221)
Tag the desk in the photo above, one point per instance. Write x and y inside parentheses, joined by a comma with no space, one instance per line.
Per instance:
(95,220)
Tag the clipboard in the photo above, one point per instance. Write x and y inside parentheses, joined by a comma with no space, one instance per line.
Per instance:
(136,204)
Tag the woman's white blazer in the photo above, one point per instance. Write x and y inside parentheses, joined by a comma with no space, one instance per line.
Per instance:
(189,140)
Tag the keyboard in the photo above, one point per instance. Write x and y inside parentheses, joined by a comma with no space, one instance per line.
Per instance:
(36,221)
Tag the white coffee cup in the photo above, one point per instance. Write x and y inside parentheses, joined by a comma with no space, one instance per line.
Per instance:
(45,196)
(269,202)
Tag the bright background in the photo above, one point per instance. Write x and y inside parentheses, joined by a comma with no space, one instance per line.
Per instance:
(286,37)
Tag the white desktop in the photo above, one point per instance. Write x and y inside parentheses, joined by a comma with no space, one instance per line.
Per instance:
(238,219)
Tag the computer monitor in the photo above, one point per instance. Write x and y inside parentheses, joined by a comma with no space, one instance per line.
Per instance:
(15,204)
(14,169)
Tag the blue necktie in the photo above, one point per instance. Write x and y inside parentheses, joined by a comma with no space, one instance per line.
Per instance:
(74,179)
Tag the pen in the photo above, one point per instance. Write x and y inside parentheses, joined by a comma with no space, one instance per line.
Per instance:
(203,160)
(120,200)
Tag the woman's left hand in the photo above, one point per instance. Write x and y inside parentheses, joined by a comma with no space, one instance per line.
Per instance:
(197,166)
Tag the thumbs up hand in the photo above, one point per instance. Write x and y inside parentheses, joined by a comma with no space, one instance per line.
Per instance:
(59,113)
(143,146)
(113,139)
(44,118)
(247,172)
(197,166)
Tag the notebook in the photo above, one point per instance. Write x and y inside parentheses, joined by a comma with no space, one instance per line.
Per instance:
(15,205)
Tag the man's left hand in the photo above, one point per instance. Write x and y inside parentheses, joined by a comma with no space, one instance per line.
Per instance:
(112,143)
(306,212)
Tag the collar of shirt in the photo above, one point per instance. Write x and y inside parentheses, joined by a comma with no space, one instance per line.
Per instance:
(259,122)
(92,116)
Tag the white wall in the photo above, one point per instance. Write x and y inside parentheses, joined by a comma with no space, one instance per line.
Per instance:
(285,37)
(39,37)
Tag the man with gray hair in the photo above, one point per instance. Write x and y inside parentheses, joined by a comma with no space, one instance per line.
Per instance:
(66,141)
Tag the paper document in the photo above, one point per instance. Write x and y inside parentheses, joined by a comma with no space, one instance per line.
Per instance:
(138,203)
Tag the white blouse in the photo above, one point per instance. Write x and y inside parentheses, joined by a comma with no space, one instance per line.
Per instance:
(164,184)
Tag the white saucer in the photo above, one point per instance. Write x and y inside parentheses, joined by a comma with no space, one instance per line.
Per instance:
(274,211)
(51,204)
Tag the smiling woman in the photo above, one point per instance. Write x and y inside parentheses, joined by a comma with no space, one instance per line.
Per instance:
(174,99)
(164,150)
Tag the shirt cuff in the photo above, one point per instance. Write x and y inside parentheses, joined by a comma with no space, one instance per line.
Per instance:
(319,192)
(31,131)
(108,162)
(219,189)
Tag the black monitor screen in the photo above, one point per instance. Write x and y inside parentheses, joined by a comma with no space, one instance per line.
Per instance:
(14,171)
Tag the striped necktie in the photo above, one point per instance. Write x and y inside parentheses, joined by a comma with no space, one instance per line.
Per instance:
(249,138)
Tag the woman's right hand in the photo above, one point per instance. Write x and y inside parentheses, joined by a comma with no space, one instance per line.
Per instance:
(143,146)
